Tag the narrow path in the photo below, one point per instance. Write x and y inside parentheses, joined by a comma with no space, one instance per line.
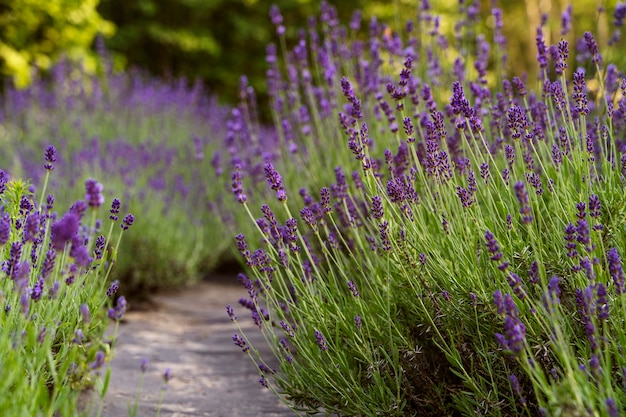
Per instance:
(189,332)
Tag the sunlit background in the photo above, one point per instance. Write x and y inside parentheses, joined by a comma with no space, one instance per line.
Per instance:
(219,40)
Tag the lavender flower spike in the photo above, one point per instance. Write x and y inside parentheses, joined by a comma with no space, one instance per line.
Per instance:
(320,340)
(128,221)
(522,198)
(616,271)
(93,194)
(50,157)
(275,181)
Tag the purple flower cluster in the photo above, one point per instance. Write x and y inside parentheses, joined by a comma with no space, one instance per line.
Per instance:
(514,337)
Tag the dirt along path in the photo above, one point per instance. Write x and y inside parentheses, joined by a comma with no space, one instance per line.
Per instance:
(189,332)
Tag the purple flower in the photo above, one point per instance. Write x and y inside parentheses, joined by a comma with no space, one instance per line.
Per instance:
(377,207)
(79,208)
(458,102)
(167,375)
(579,93)
(93,194)
(517,121)
(542,51)
(358,322)
(566,20)
(99,247)
(582,234)
(562,54)
(48,263)
(466,197)
(515,282)
(320,340)
(237,185)
(556,156)
(127,222)
(79,336)
(239,341)
(348,92)
(290,234)
(144,365)
(80,252)
(592,46)
(84,312)
(277,19)
(611,407)
(615,270)
(514,337)
(231,312)
(25,303)
(118,312)
(113,288)
(522,198)
(353,289)
(31,227)
(273,177)
(594,206)
(26,206)
(5,228)
(309,218)
(98,361)
(383,229)
(37,290)
(52,292)
(509,152)
(586,309)
(325,200)
(41,337)
(50,156)
(484,172)
(115,209)
(533,273)
(570,237)
(64,230)
(619,14)
(602,302)
(517,389)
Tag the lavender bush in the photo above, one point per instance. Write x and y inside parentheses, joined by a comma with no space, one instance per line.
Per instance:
(152,141)
(55,297)
(435,238)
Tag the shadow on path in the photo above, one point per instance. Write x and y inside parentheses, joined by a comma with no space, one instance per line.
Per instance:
(189,332)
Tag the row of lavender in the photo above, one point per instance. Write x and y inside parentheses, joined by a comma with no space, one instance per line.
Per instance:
(436,238)
(150,142)
(56,300)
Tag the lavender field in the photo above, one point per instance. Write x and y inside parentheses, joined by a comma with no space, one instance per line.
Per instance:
(419,229)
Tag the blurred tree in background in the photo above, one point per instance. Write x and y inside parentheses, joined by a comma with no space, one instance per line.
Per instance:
(217,41)
(35,33)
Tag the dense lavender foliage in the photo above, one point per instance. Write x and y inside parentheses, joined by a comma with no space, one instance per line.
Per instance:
(436,238)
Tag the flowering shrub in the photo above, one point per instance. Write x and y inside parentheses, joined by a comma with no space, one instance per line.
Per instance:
(471,262)
(151,140)
(54,294)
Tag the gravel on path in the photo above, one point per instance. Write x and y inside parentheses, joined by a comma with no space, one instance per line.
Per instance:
(189,332)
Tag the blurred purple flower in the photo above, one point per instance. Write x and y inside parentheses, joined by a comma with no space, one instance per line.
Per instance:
(98,361)
(615,270)
(320,340)
(116,313)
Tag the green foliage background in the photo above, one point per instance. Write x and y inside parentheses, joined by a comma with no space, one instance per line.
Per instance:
(219,40)
(34,34)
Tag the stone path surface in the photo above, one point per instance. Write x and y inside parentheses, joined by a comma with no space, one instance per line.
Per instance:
(189,332)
